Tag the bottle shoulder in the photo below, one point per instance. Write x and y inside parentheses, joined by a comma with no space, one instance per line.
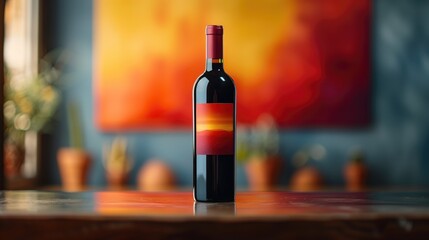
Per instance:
(215,87)
(215,78)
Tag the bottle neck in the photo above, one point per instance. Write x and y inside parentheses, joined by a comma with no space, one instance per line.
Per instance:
(214,52)
(214,64)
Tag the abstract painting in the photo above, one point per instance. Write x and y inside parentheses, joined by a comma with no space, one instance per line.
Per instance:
(305,63)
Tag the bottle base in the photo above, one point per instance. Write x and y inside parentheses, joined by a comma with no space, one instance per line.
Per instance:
(214,200)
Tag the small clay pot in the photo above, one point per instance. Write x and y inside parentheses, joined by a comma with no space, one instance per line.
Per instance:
(263,172)
(13,159)
(155,176)
(355,174)
(74,165)
(306,179)
(116,179)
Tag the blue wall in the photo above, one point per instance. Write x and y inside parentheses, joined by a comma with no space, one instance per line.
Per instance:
(396,144)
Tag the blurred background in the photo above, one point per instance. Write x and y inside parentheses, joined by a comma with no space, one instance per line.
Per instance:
(331,94)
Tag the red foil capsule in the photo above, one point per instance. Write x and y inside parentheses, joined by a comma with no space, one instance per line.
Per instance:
(214,34)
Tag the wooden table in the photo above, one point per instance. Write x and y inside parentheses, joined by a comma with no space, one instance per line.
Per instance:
(174,215)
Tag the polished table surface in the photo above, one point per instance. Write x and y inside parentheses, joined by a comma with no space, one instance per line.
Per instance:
(175,215)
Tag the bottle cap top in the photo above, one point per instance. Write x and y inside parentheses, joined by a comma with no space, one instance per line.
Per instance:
(214,30)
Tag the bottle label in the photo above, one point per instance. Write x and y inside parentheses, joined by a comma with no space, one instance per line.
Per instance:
(215,128)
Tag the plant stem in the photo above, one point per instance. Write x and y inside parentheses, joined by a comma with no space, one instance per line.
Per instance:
(75,130)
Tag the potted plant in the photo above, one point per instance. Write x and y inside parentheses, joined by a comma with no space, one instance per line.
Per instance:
(117,163)
(156,175)
(29,106)
(257,148)
(74,161)
(355,172)
(306,176)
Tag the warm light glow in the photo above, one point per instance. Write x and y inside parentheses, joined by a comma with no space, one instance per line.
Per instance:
(214,126)
(215,117)
(211,120)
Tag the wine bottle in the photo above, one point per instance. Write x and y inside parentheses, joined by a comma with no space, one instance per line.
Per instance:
(214,126)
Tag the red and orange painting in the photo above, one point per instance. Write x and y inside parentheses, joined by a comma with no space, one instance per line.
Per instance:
(215,128)
(306,63)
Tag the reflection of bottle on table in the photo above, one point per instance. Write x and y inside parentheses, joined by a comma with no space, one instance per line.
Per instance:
(214,209)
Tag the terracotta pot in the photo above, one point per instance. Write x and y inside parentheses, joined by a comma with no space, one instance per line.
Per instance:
(263,172)
(306,179)
(13,160)
(116,179)
(355,174)
(74,165)
(156,175)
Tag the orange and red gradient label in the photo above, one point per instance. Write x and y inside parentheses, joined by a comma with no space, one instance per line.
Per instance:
(215,128)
